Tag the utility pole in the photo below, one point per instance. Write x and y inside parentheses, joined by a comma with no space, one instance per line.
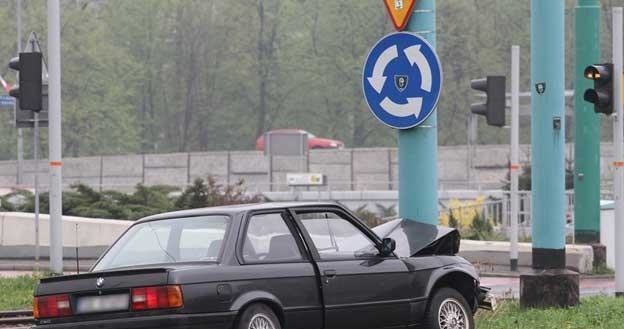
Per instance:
(618,58)
(586,127)
(473,141)
(418,146)
(35,47)
(550,284)
(55,156)
(20,134)
(515,149)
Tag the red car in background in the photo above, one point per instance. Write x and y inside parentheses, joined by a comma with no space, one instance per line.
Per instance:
(313,141)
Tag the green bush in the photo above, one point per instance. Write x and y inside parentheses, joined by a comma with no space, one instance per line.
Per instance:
(84,201)
(481,228)
(372,219)
(201,194)
(453,222)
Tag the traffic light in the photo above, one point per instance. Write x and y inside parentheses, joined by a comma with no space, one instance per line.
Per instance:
(29,90)
(602,94)
(494,107)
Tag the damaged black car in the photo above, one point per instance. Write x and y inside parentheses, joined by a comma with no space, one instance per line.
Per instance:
(269,266)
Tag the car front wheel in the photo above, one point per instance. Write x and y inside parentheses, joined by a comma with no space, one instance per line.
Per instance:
(258,316)
(449,310)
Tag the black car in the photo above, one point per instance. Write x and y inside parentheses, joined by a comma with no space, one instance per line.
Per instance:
(269,266)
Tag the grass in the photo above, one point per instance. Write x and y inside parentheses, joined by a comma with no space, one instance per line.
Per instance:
(17,293)
(593,313)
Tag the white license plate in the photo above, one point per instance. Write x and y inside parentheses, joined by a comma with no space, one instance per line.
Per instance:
(106,303)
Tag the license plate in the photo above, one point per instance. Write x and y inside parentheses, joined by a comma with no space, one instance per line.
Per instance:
(106,303)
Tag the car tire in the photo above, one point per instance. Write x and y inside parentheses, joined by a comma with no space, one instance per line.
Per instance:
(258,316)
(448,309)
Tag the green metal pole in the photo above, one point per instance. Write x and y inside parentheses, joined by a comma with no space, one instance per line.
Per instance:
(586,127)
(548,133)
(549,284)
(418,147)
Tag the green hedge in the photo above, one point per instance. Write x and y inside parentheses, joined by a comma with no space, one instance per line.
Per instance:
(84,201)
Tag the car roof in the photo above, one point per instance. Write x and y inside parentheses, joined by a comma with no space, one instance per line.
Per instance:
(288,129)
(235,209)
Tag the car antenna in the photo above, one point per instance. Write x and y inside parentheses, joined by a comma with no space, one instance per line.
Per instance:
(77,258)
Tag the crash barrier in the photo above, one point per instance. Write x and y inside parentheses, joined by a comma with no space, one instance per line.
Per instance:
(93,236)
(493,256)
(607,227)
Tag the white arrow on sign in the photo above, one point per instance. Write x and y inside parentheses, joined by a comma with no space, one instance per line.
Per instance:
(378,80)
(412,107)
(415,56)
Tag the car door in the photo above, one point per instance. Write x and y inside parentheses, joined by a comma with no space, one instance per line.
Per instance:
(271,252)
(360,288)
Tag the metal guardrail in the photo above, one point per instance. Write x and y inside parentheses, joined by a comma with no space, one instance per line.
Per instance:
(499,211)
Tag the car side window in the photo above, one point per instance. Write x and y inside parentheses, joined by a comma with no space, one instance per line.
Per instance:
(268,239)
(335,237)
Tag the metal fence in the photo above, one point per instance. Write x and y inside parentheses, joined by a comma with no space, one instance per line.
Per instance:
(498,211)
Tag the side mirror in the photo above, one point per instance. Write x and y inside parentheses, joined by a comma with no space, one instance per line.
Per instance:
(387,247)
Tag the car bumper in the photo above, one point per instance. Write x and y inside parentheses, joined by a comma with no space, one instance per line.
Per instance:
(486,300)
(177,321)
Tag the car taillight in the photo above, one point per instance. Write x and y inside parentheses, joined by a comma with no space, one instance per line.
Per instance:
(152,298)
(51,306)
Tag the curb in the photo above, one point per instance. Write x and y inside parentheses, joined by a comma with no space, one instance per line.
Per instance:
(517,275)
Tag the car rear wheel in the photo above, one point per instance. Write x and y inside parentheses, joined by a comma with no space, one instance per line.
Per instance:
(448,309)
(258,316)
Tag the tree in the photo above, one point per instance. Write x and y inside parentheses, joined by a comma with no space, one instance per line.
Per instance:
(196,75)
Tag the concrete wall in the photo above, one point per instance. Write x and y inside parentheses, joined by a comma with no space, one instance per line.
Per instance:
(348,169)
(607,229)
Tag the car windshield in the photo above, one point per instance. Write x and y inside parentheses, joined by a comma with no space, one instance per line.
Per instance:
(192,239)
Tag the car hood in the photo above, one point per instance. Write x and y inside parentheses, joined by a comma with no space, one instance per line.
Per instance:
(419,239)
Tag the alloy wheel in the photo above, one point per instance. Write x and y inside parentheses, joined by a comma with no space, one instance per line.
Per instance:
(452,315)
(261,321)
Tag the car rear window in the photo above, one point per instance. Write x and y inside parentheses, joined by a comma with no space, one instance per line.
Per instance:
(192,239)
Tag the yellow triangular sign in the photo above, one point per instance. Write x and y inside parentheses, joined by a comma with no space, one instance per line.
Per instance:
(400,12)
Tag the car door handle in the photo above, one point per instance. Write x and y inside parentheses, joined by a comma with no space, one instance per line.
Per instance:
(329,274)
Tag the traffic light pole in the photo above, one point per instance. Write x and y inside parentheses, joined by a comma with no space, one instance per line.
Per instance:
(550,284)
(55,156)
(515,149)
(20,133)
(418,147)
(36,159)
(618,58)
(586,127)
(34,47)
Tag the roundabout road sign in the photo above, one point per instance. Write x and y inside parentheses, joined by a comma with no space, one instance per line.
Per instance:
(402,80)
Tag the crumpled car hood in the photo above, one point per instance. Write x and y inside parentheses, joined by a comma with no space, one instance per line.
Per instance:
(419,239)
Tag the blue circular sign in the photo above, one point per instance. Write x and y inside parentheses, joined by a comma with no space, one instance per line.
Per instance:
(402,80)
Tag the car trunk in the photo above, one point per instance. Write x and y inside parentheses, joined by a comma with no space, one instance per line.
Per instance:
(115,280)
(96,295)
